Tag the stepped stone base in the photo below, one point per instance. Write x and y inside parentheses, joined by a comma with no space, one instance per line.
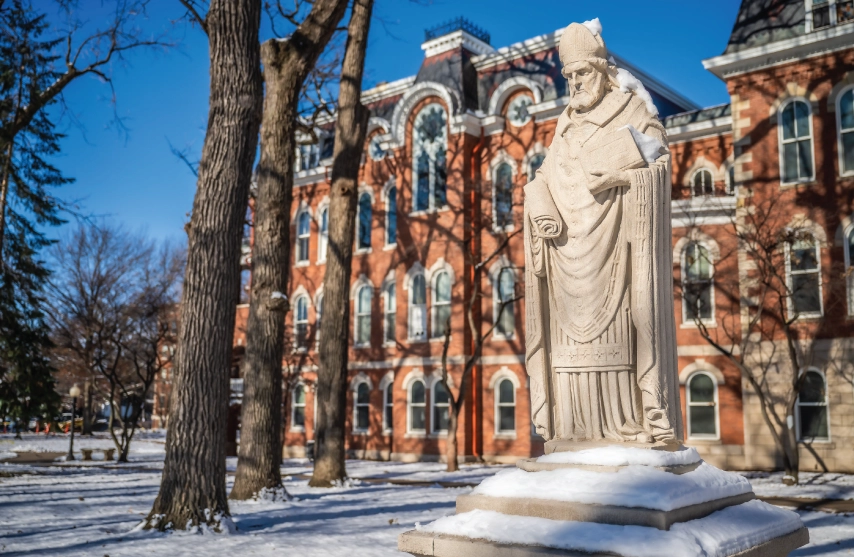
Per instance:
(531,465)
(437,545)
(602,514)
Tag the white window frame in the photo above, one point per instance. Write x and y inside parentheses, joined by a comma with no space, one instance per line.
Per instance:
(435,304)
(302,259)
(686,319)
(496,303)
(511,225)
(826,404)
(391,185)
(788,253)
(356,405)
(711,183)
(294,405)
(388,402)
(357,314)
(318,316)
(849,273)
(322,235)
(434,430)
(839,131)
(389,308)
(363,192)
(416,151)
(689,403)
(505,433)
(809,24)
(410,405)
(781,142)
(410,307)
(298,322)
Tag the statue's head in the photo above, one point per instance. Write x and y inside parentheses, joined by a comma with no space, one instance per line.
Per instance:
(583,55)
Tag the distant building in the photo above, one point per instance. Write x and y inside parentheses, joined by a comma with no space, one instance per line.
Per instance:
(471,126)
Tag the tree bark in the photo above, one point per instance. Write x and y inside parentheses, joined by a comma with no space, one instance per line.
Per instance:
(350,130)
(192,489)
(87,408)
(451,442)
(286,66)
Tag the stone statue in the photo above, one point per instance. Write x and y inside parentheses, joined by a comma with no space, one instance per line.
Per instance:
(600,335)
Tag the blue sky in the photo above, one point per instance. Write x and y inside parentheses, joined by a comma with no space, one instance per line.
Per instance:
(134,179)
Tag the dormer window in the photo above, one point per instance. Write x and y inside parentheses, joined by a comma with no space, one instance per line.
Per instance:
(820,14)
(827,13)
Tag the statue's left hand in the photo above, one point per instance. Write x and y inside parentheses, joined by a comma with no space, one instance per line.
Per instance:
(607,179)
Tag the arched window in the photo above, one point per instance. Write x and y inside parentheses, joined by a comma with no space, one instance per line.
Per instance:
(845,112)
(363,235)
(318,311)
(361,407)
(362,334)
(323,240)
(505,407)
(389,312)
(303,236)
(503,196)
(418,308)
(417,405)
(429,147)
(388,407)
(504,311)
(441,407)
(702,406)
(812,408)
(534,164)
(702,183)
(298,407)
(796,157)
(805,276)
(697,272)
(391,217)
(441,303)
(301,322)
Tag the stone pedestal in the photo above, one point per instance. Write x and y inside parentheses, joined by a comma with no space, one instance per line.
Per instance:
(612,500)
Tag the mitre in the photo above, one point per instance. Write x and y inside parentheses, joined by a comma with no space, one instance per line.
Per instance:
(578,43)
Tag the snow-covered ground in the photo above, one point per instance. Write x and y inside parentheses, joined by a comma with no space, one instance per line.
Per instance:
(75,509)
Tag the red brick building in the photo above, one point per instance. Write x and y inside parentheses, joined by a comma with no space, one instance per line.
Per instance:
(455,144)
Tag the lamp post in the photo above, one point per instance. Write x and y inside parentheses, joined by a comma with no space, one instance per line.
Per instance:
(74,392)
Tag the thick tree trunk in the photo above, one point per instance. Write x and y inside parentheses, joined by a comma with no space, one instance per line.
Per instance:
(451,442)
(791,457)
(87,408)
(192,488)
(350,130)
(286,66)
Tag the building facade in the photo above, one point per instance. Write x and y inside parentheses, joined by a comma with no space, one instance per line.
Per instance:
(448,153)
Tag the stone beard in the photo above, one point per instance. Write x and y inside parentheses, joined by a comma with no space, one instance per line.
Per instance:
(599,309)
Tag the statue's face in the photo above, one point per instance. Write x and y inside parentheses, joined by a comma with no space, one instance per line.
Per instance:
(586,85)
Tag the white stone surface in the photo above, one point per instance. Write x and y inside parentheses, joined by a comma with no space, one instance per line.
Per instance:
(616,455)
(633,486)
(720,534)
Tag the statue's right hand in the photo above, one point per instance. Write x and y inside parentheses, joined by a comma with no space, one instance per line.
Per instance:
(547,227)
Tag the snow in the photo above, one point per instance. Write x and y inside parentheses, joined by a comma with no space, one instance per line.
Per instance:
(278,296)
(594,25)
(650,147)
(722,533)
(812,485)
(614,455)
(632,486)
(75,510)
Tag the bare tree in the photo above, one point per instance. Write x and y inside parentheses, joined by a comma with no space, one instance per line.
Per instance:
(192,489)
(287,64)
(769,325)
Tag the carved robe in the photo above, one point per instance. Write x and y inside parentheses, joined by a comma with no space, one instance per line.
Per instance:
(600,334)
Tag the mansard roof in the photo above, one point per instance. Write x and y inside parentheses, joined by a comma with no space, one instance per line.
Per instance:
(762,22)
(697,116)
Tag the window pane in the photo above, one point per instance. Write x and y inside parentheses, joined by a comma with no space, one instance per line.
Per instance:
(304,223)
(441,394)
(417,419)
(813,422)
(506,284)
(697,264)
(417,395)
(788,121)
(812,389)
(506,391)
(846,110)
(848,152)
(443,287)
(364,221)
(802,117)
(535,163)
(391,217)
(805,158)
(702,420)
(363,330)
(389,326)
(440,418)
(698,299)
(503,194)
(302,309)
(440,176)
(299,395)
(790,162)
(303,249)
(507,320)
(506,418)
(389,416)
(820,16)
(419,290)
(443,314)
(702,389)
(362,417)
(390,298)
(417,321)
(805,298)
(364,300)
(363,393)
(299,416)
(803,254)
(422,193)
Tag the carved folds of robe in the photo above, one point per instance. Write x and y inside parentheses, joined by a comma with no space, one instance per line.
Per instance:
(600,332)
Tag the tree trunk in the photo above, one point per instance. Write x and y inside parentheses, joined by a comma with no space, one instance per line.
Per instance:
(451,442)
(87,409)
(791,457)
(350,130)
(192,488)
(286,66)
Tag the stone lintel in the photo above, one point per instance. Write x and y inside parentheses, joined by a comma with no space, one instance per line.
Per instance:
(603,514)
(436,545)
